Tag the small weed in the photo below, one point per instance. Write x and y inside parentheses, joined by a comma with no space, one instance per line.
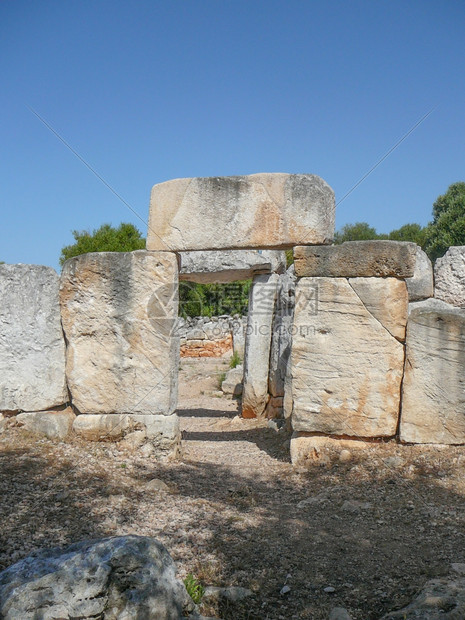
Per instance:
(235,360)
(194,588)
(221,378)
(123,465)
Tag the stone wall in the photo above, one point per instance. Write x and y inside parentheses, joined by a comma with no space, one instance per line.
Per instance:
(212,336)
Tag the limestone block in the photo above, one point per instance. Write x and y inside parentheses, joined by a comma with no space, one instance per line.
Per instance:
(307,448)
(119,314)
(449,277)
(387,300)
(262,299)
(162,431)
(420,285)
(207,267)
(232,383)
(32,346)
(354,259)
(433,399)
(282,332)
(346,367)
(51,424)
(267,211)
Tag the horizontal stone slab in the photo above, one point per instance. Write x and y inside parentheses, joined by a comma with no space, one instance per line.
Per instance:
(267,210)
(51,424)
(354,259)
(218,266)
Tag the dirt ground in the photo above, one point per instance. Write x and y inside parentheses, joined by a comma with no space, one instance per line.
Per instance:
(372,529)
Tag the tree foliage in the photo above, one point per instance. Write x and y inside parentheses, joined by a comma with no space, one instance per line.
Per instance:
(360,231)
(124,238)
(448,225)
(213,299)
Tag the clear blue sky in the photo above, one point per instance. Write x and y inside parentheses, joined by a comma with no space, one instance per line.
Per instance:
(149,91)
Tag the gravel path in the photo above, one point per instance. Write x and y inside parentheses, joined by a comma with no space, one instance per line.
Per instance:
(372,529)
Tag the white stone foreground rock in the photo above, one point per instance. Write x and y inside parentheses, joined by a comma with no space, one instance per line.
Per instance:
(51,424)
(433,391)
(262,299)
(420,285)
(32,346)
(267,211)
(122,577)
(229,265)
(346,365)
(449,277)
(119,312)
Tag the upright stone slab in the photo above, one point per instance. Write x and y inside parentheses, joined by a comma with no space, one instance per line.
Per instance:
(262,299)
(433,399)
(119,312)
(346,366)
(32,346)
(449,277)
(281,341)
(229,265)
(354,259)
(256,211)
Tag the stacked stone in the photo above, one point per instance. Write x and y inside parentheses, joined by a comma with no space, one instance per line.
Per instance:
(348,348)
(210,336)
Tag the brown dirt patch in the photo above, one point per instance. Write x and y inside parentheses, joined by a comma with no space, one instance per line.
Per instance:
(375,528)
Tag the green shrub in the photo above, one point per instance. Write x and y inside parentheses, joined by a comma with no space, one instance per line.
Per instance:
(194,588)
(235,360)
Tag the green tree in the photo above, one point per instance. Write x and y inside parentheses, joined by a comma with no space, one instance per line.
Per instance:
(360,231)
(213,299)
(124,238)
(448,225)
(409,232)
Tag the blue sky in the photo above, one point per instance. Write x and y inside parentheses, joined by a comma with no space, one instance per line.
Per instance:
(150,91)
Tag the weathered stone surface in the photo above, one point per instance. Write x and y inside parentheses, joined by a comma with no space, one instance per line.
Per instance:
(356,259)
(420,285)
(161,431)
(32,346)
(232,383)
(121,578)
(387,300)
(346,367)
(243,212)
(440,599)
(449,277)
(282,332)
(262,299)
(51,424)
(309,449)
(433,391)
(119,312)
(207,267)
(2,423)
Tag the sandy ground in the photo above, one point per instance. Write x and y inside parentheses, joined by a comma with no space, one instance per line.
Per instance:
(373,529)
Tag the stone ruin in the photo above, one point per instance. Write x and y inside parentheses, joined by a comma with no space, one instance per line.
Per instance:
(352,343)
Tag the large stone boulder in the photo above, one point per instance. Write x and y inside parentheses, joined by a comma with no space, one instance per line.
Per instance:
(32,346)
(442,598)
(119,314)
(267,211)
(433,392)
(449,277)
(354,259)
(346,365)
(262,298)
(229,265)
(114,578)
(420,285)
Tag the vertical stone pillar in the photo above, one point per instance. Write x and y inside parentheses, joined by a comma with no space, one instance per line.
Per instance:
(119,313)
(262,299)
